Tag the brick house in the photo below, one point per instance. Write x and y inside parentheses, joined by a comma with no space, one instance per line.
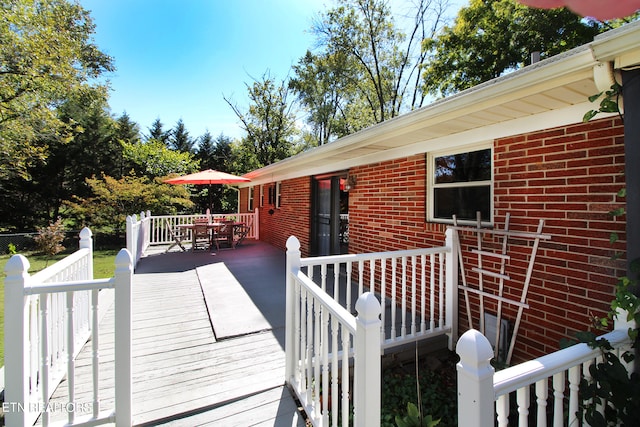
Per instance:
(514,145)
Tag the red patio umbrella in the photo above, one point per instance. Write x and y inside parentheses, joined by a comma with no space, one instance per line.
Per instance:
(209,177)
(599,9)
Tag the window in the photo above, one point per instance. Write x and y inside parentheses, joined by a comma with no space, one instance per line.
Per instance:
(250,200)
(261,196)
(461,185)
(278,194)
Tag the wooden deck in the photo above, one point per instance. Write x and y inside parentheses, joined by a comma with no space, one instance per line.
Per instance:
(185,373)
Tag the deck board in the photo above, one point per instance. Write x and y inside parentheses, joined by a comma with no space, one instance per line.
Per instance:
(182,375)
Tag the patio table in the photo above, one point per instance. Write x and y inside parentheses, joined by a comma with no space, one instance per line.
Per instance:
(216,226)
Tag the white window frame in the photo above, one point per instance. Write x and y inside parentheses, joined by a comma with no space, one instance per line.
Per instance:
(431,185)
(261,201)
(278,200)
(250,200)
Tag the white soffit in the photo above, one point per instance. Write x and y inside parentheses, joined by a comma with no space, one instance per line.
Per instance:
(550,93)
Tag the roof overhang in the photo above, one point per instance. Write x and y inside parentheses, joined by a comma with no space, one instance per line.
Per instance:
(551,93)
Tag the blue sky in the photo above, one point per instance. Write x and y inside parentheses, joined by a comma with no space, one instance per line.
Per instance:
(177,59)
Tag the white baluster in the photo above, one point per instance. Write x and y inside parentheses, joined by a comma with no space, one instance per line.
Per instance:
(403,328)
(323,277)
(335,385)
(441,288)
(423,288)
(45,354)
(372,271)
(558,399)
(413,294)
(324,339)
(345,389)
(336,281)
(522,397)
(542,393)
(383,293)
(432,295)
(71,365)
(95,350)
(394,280)
(502,410)
(348,297)
(574,387)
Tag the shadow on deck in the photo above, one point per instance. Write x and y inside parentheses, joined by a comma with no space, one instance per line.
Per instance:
(208,341)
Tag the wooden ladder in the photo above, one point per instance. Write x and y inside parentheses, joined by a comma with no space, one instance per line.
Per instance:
(501,276)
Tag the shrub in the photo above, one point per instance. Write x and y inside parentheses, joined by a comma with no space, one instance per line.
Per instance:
(49,239)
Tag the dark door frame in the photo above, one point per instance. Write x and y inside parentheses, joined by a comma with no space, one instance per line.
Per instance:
(334,209)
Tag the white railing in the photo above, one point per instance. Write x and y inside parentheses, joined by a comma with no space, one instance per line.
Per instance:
(49,316)
(418,286)
(554,379)
(323,340)
(160,225)
(138,235)
(413,284)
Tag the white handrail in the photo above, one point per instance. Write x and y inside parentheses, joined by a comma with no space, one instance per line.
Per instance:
(322,335)
(428,274)
(483,394)
(323,341)
(48,318)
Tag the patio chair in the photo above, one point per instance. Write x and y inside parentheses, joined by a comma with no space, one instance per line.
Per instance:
(239,233)
(177,234)
(201,237)
(223,234)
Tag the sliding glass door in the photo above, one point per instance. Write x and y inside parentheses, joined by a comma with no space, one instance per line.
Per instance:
(330,203)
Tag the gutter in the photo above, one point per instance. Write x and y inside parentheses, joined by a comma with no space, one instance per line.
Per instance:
(587,61)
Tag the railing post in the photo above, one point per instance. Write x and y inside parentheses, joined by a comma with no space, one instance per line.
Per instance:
(451,283)
(140,238)
(16,356)
(86,242)
(123,394)
(293,266)
(367,369)
(147,232)
(130,239)
(476,398)
(256,224)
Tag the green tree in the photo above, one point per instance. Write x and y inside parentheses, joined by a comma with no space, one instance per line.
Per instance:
(269,123)
(153,159)
(321,84)
(126,131)
(82,146)
(374,65)
(156,132)
(46,54)
(180,139)
(491,37)
(204,152)
(113,199)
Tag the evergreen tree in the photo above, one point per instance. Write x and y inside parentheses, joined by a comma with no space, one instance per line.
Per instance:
(156,132)
(204,153)
(180,139)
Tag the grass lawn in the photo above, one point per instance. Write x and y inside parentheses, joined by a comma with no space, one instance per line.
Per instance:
(103,267)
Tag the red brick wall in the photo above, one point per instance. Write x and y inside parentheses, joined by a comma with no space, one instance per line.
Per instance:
(568,176)
(291,218)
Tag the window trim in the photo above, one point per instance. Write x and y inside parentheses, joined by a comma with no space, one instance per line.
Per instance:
(250,199)
(277,195)
(431,185)
(261,201)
